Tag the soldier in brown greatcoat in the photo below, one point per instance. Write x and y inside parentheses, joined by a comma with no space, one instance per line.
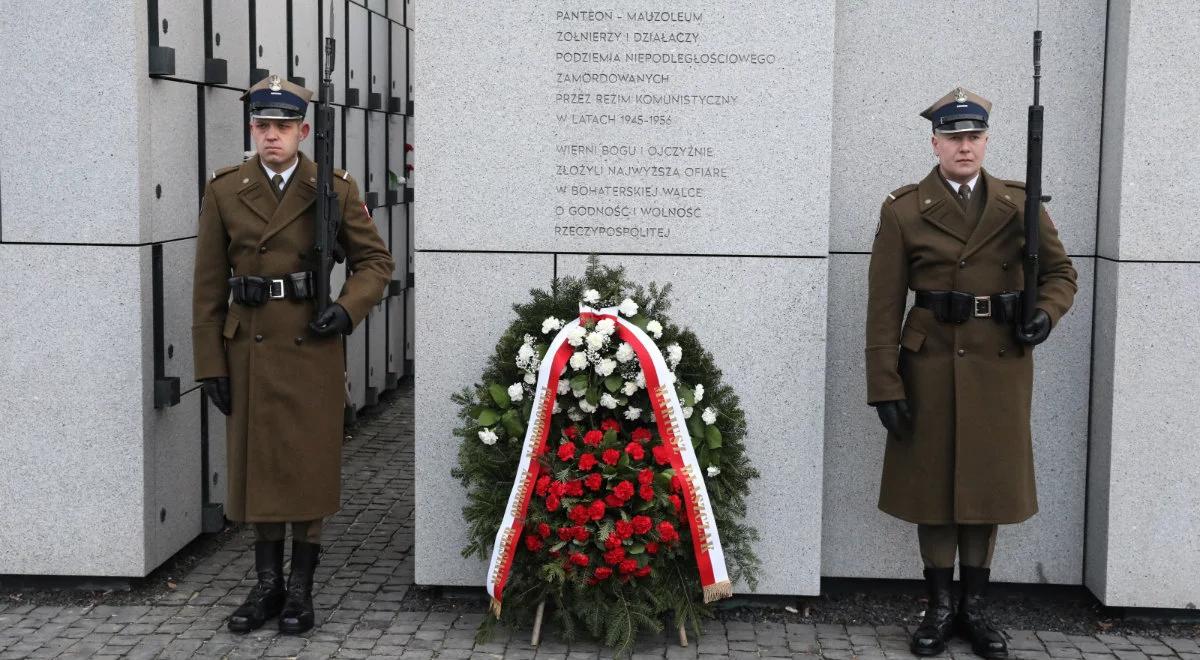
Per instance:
(261,357)
(952,382)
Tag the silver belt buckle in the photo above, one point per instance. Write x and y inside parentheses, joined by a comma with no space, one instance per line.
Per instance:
(277,291)
(983,307)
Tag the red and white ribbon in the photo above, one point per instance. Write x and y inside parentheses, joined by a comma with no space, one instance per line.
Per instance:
(668,416)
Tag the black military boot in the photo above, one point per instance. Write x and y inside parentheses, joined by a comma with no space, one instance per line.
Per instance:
(297,616)
(971,622)
(930,637)
(266,598)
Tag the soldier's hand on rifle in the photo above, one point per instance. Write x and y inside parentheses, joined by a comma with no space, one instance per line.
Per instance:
(1037,331)
(335,319)
(896,417)
(217,390)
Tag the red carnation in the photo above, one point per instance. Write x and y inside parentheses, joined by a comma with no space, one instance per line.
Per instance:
(566,451)
(676,502)
(642,524)
(643,571)
(662,454)
(666,531)
(641,434)
(614,501)
(593,438)
(574,488)
(623,490)
(612,542)
(593,481)
(676,484)
(558,488)
(579,559)
(652,547)
(628,566)
(571,432)
(533,543)
(580,533)
(614,556)
(597,510)
(543,530)
(543,483)
(646,492)
(646,477)
(552,502)
(611,456)
(579,514)
(624,529)
(603,573)
(635,451)
(566,533)
(610,424)
(587,462)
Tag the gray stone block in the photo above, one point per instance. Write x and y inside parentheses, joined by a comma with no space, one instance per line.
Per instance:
(224,131)
(879,43)
(395,151)
(181,27)
(377,156)
(271,47)
(1150,220)
(170,180)
(380,62)
(1143,545)
(179,259)
(231,39)
(356,147)
(306,43)
(377,353)
(774,139)
(399,68)
(861,541)
(357,54)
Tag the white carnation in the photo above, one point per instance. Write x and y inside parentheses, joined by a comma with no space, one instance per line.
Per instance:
(575,415)
(624,353)
(606,367)
(595,341)
(488,437)
(591,296)
(699,393)
(674,355)
(687,412)
(641,379)
(709,416)
(557,408)
(633,413)
(608,401)
(587,407)
(606,327)
(530,378)
(564,386)
(516,392)
(713,470)
(654,328)
(551,324)
(579,393)
(575,335)
(524,355)
(628,307)
(630,388)
(579,360)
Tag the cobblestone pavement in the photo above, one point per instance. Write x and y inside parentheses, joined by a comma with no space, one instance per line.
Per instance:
(366,571)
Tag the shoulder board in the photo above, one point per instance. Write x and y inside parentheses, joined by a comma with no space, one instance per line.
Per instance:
(224,170)
(341,174)
(1014,184)
(900,192)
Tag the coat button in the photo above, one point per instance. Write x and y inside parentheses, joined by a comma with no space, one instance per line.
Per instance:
(1004,266)
(962,264)
(258,338)
(299,340)
(1003,349)
(262,249)
(961,352)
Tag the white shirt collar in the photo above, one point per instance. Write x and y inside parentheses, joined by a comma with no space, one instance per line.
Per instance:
(953,184)
(286,174)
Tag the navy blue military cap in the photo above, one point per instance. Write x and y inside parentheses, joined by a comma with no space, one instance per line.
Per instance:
(958,112)
(273,98)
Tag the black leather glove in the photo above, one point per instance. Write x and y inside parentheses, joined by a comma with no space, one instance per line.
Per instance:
(896,418)
(217,391)
(335,319)
(1037,331)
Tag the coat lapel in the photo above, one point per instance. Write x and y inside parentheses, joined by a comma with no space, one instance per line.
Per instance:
(939,208)
(255,192)
(300,193)
(999,209)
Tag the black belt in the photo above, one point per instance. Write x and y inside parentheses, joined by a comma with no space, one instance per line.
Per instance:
(957,306)
(253,290)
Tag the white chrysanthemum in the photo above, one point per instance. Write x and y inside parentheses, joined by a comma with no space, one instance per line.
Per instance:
(606,367)
(640,381)
(687,412)
(606,327)
(524,355)
(628,308)
(713,470)
(575,415)
(587,407)
(624,353)
(551,324)
(531,379)
(633,413)
(630,388)
(564,386)
(516,392)
(557,408)
(674,355)
(579,360)
(530,339)
(575,335)
(591,296)
(578,393)
(699,392)
(595,341)
(709,416)
(488,437)
(655,329)
(608,401)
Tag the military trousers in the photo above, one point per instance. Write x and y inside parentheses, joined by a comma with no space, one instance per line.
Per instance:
(308,531)
(974,544)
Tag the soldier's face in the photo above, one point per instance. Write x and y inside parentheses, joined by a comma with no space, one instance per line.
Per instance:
(277,141)
(960,155)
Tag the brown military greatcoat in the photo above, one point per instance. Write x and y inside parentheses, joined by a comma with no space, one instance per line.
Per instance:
(285,432)
(969,386)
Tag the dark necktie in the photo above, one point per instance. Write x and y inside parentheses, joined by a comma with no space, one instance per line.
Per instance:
(964,193)
(277,185)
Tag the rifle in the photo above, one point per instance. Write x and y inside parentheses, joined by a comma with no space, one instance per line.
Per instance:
(1033,188)
(328,211)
